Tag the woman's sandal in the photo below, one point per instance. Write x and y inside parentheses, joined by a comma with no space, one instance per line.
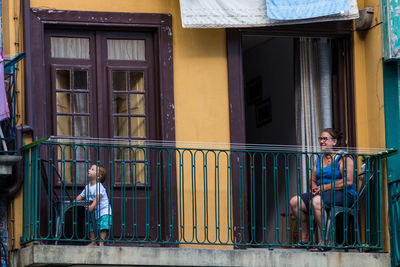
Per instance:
(302,245)
(320,249)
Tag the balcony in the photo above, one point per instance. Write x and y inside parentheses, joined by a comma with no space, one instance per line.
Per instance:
(8,133)
(8,129)
(193,196)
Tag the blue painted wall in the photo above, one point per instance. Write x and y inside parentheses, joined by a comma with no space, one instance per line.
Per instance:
(391,80)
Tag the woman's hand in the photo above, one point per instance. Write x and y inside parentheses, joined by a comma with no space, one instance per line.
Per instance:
(316,190)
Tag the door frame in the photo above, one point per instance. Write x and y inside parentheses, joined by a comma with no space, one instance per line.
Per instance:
(337,29)
(38,99)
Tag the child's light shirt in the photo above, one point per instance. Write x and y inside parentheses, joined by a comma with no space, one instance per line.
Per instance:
(90,192)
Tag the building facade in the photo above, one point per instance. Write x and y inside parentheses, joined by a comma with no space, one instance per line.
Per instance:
(107,82)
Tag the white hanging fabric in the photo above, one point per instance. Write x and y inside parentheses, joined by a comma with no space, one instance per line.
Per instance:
(325,75)
(313,95)
(4,110)
(239,13)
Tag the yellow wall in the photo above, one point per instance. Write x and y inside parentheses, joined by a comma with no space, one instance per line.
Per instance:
(200,67)
(370,117)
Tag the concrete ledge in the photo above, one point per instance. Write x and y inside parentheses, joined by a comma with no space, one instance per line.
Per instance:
(44,255)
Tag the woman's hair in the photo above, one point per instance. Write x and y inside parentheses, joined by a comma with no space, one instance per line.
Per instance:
(337,135)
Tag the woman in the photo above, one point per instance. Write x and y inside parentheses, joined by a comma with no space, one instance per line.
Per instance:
(327,175)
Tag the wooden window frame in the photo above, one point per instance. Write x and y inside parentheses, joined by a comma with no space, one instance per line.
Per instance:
(66,63)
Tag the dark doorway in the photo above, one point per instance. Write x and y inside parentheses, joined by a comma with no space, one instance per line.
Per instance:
(264,71)
(269,80)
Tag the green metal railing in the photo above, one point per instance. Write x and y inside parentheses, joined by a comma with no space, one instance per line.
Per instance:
(9,125)
(166,194)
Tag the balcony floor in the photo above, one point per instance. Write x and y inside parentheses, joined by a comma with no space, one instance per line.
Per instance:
(50,255)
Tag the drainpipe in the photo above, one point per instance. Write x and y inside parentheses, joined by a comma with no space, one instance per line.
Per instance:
(26,7)
(27,126)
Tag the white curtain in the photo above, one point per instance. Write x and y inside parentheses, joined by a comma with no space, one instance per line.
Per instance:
(64,47)
(126,49)
(313,94)
(325,74)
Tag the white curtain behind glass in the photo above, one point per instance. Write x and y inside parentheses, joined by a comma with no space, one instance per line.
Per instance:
(313,94)
(126,49)
(64,47)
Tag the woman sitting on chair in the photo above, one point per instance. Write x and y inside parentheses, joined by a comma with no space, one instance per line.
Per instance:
(327,174)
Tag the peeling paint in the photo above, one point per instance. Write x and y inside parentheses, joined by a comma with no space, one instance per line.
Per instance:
(391,13)
(55,11)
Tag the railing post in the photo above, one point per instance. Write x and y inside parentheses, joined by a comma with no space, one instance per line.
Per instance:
(25,192)
(380,203)
(35,193)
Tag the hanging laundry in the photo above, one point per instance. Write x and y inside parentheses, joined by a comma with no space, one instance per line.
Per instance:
(4,111)
(305,9)
(254,13)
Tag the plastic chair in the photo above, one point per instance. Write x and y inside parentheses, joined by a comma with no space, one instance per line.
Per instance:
(353,210)
(61,206)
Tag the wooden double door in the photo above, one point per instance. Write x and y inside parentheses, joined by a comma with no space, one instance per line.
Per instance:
(103,91)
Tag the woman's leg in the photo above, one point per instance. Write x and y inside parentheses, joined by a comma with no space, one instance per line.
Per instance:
(299,210)
(319,214)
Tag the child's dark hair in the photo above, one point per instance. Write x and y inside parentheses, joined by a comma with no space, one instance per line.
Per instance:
(103,172)
(337,135)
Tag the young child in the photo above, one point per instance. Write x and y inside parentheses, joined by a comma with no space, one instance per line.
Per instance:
(95,193)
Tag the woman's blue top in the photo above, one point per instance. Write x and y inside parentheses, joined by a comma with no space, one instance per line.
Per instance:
(331,173)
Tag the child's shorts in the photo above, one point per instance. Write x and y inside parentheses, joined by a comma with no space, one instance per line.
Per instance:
(104,223)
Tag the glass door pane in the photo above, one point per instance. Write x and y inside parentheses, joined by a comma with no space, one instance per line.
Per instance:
(129,104)
(72,114)
(129,121)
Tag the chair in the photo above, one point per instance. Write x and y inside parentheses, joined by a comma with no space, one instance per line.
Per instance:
(353,210)
(61,206)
